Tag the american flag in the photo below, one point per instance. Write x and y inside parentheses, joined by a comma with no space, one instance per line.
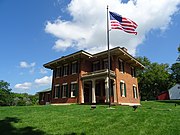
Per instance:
(122,23)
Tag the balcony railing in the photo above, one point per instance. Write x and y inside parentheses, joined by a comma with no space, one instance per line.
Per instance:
(98,73)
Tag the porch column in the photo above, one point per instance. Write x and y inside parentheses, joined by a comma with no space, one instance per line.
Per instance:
(82,93)
(114,91)
(107,89)
(93,92)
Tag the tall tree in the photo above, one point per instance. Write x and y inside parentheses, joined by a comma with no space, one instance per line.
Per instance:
(154,79)
(5,93)
(175,68)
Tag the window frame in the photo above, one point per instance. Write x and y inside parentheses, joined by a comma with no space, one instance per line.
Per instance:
(133,72)
(74,65)
(65,69)
(64,90)
(123,89)
(58,72)
(56,88)
(73,89)
(105,61)
(96,65)
(121,66)
(135,92)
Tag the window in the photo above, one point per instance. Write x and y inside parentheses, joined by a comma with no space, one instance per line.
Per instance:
(58,71)
(123,89)
(74,67)
(42,96)
(96,66)
(65,70)
(105,63)
(121,66)
(133,72)
(64,90)
(135,91)
(56,91)
(73,89)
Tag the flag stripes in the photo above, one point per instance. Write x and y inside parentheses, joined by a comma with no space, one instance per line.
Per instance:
(122,23)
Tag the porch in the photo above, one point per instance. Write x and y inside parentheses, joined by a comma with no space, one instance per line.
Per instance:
(95,87)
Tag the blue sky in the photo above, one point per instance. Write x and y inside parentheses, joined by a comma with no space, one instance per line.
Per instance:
(35,32)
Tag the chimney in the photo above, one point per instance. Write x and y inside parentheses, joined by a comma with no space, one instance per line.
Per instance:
(124,49)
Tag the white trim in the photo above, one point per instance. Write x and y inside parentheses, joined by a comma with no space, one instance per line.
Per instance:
(74,62)
(122,81)
(120,60)
(123,90)
(64,84)
(95,62)
(57,85)
(74,82)
(135,92)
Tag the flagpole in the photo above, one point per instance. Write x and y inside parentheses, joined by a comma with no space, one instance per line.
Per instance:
(109,80)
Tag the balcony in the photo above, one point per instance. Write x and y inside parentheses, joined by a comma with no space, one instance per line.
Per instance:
(98,74)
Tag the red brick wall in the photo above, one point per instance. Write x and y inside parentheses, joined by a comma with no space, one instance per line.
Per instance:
(66,79)
(129,80)
(86,66)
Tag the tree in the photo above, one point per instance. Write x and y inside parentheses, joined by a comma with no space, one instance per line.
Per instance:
(5,94)
(154,79)
(175,69)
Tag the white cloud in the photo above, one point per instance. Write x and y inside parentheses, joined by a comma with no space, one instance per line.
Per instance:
(43,71)
(87,29)
(23,86)
(46,80)
(24,64)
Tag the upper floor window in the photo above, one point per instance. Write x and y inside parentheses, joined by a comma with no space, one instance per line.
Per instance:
(64,90)
(96,65)
(65,70)
(123,88)
(135,91)
(133,72)
(105,63)
(58,72)
(73,89)
(74,67)
(121,66)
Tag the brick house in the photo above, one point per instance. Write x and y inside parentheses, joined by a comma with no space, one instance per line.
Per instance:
(82,77)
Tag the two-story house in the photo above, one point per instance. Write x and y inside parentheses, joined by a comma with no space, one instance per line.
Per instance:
(82,77)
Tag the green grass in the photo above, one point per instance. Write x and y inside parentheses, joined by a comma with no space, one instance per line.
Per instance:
(152,118)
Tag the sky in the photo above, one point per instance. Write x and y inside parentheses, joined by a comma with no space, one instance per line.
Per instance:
(35,32)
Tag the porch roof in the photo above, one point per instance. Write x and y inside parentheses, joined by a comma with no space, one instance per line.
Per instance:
(46,90)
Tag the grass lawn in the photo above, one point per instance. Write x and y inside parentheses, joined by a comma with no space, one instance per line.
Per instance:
(152,118)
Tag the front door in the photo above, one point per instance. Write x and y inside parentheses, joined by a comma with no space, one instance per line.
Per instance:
(87,92)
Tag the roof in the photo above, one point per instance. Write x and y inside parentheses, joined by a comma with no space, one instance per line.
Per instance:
(46,90)
(114,51)
(70,56)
